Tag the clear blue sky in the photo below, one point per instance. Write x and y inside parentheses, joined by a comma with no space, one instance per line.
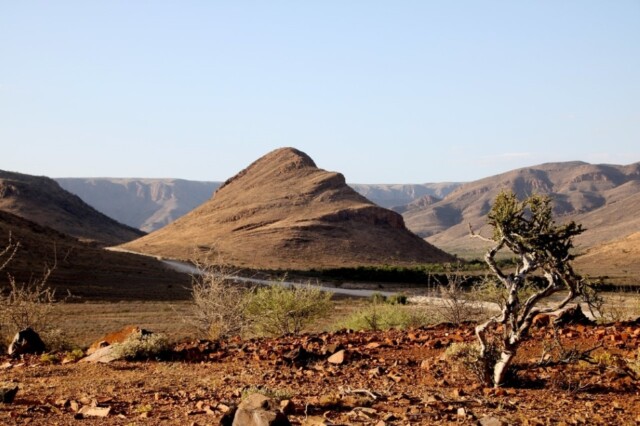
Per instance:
(382,91)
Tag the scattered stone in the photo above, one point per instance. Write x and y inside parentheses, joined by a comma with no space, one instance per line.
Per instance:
(74,405)
(8,393)
(259,410)
(26,341)
(338,358)
(298,356)
(64,403)
(87,411)
(6,366)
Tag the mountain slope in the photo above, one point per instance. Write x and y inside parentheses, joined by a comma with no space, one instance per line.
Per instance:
(284,212)
(41,200)
(146,204)
(621,257)
(602,197)
(87,271)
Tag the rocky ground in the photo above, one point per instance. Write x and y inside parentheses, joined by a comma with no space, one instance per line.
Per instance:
(392,378)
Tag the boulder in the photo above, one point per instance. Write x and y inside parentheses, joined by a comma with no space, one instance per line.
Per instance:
(116,337)
(8,392)
(339,357)
(26,341)
(259,410)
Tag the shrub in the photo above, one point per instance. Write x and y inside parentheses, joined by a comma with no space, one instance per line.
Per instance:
(74,355)
(276,309)
(468,355)
(456,305)
(377,297)
(397,299)
(49,358)
(141,346)
(28,304)
(218,303)
(384,317)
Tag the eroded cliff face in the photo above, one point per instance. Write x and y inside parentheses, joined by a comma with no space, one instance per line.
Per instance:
(282,212)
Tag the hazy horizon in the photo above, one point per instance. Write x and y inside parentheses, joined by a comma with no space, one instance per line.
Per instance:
(409,92)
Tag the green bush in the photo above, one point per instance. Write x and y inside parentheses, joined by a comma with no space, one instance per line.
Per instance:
(468,356)
(397,299)
(276,309)
(384,317)
(141,346)
(377,298)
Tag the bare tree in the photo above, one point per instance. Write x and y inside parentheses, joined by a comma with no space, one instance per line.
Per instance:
(526,229)
(218,302)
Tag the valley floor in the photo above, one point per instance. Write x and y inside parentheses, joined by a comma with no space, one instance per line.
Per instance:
(394,377)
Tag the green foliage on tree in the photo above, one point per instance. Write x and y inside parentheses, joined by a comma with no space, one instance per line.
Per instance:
(526,229)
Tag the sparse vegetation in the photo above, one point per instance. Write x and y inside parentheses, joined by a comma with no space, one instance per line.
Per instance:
(276,309)
(383,316)
(456,305)
(142,346)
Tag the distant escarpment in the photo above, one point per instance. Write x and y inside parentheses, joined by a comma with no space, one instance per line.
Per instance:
(283,212)
(146,204)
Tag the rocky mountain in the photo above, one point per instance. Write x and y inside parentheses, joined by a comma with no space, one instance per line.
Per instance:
(284,212)
(41,200)
(604,198)
(86,270)
(146,204)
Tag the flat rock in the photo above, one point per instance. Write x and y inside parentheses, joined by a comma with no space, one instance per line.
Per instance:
(338,358)
(94,411)
(103,355)
(491,421)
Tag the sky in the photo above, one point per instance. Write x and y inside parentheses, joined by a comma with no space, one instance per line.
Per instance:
(381,91)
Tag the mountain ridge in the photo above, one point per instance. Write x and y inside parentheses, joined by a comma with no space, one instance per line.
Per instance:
(43,201)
